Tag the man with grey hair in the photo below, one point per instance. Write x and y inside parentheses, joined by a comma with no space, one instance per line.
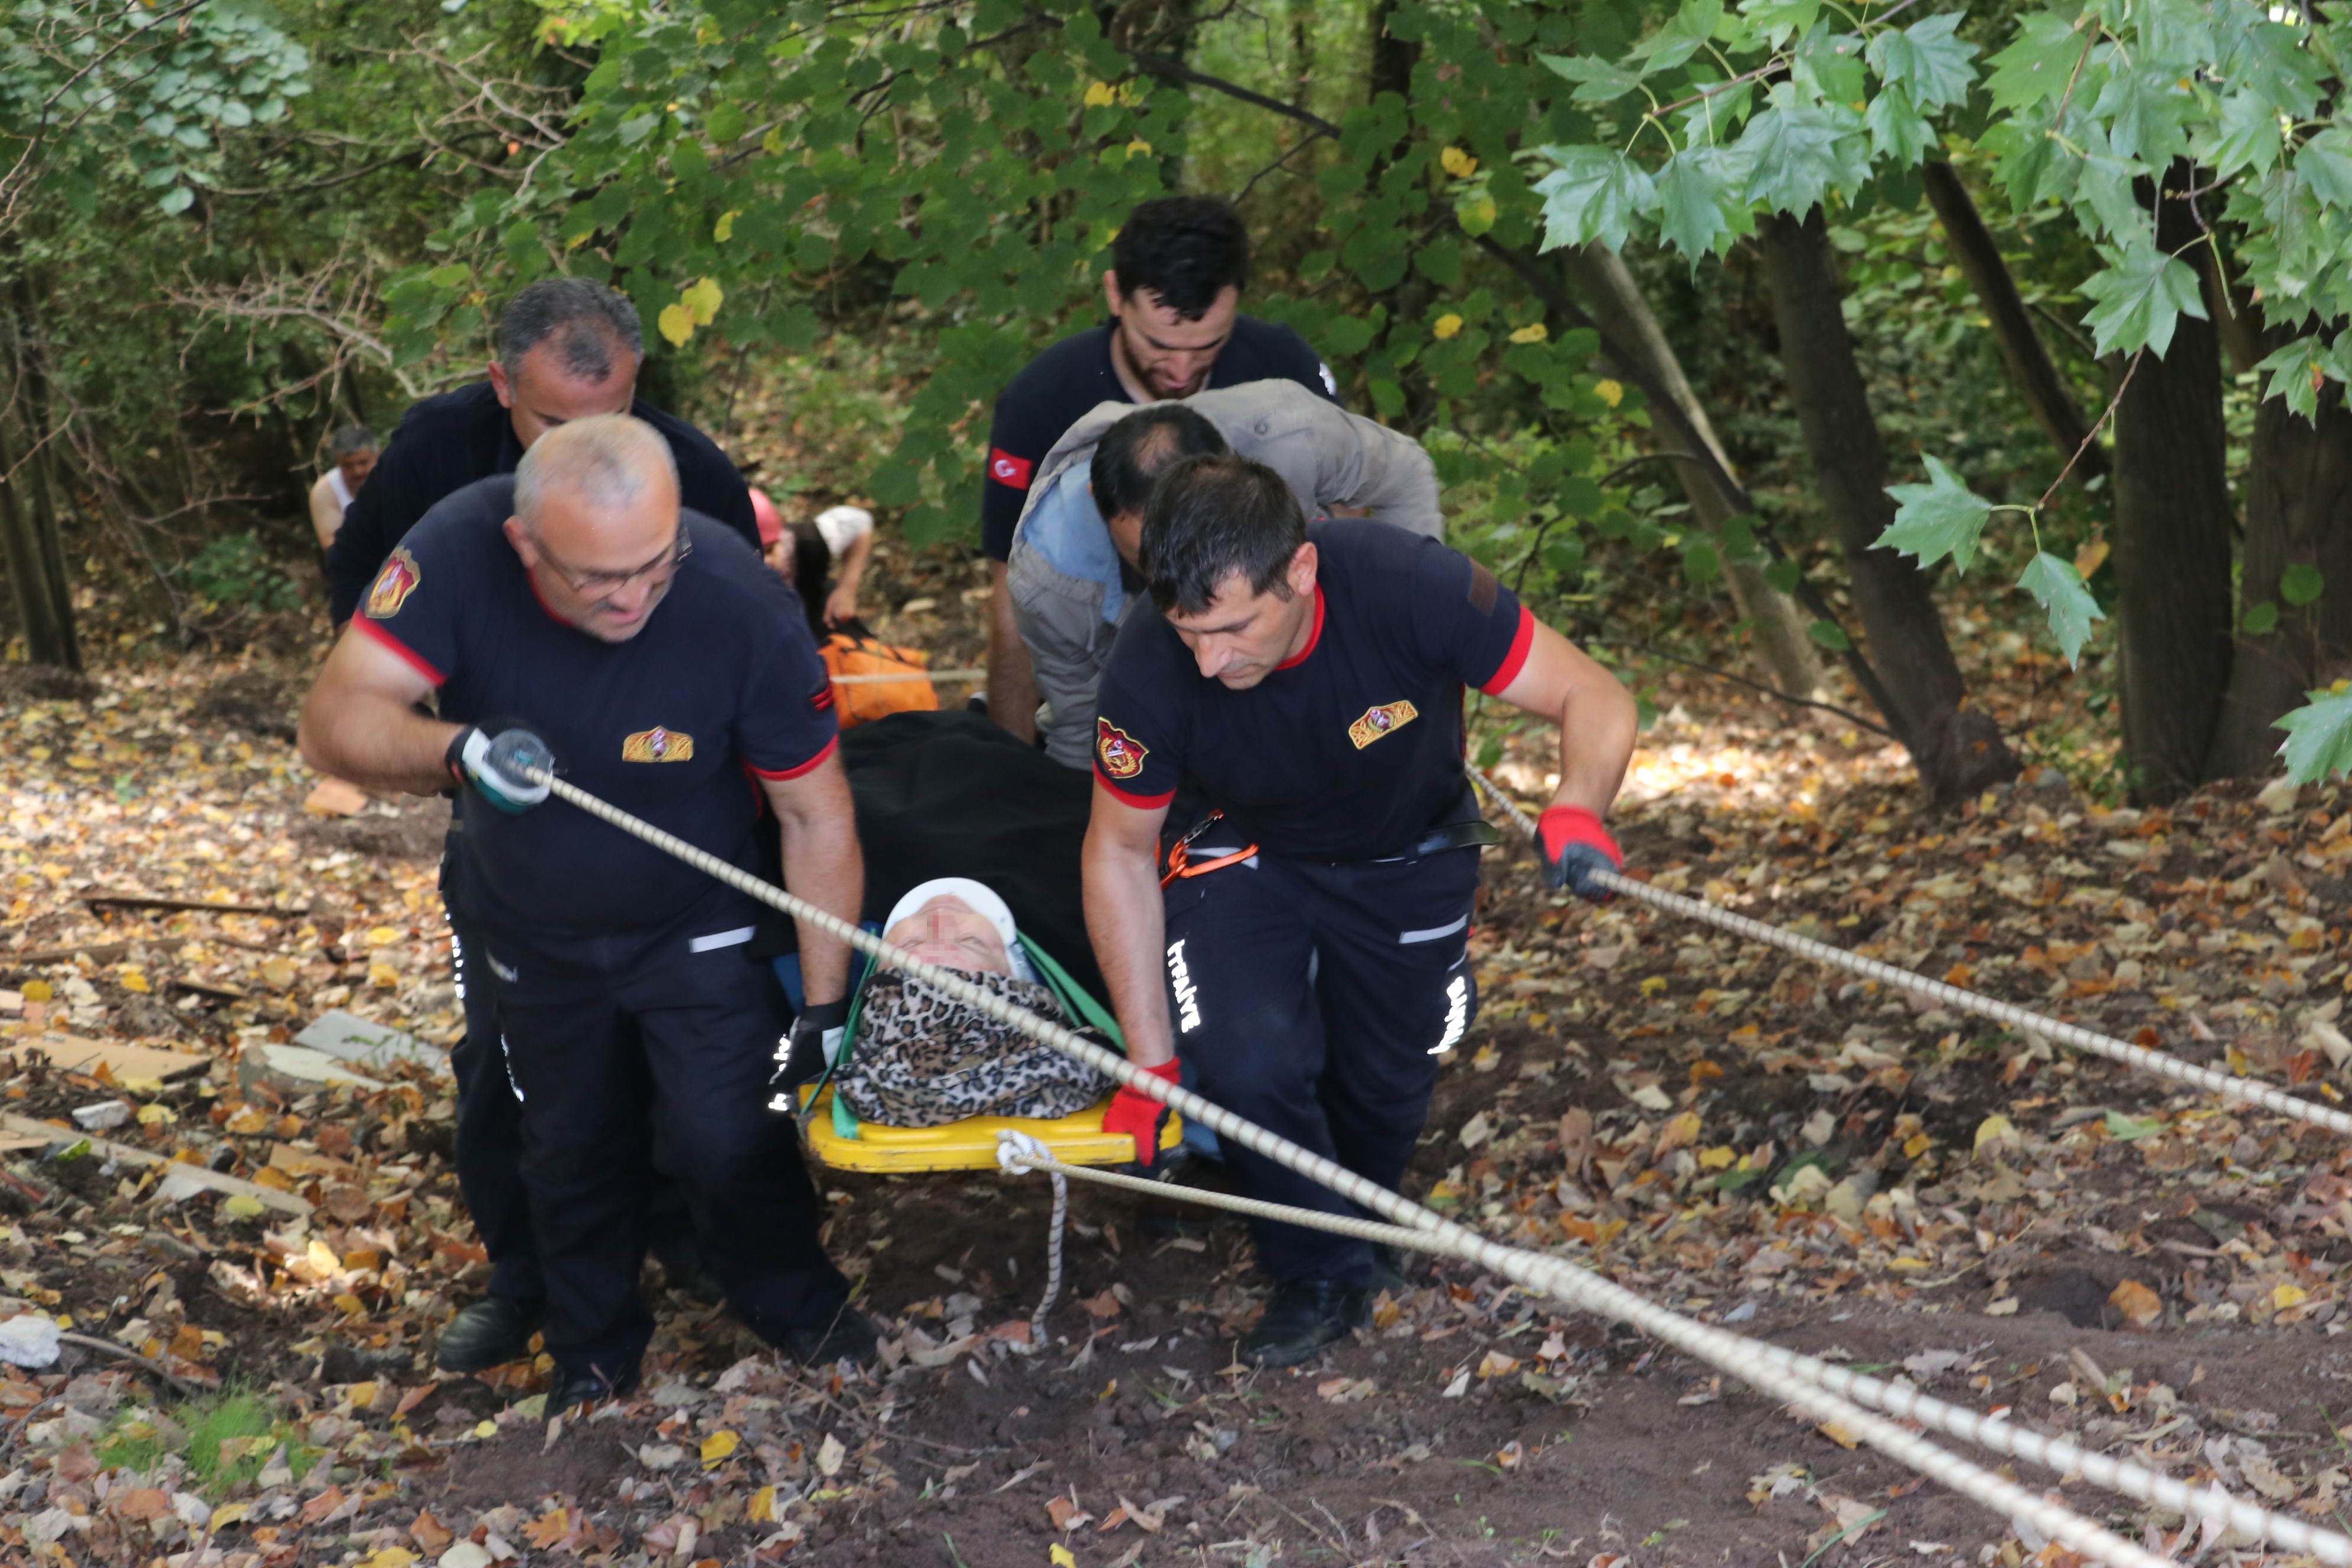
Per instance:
(568,348)
(654,660)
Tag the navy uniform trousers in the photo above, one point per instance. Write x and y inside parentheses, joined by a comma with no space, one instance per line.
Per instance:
(1313,999)
(631,1055)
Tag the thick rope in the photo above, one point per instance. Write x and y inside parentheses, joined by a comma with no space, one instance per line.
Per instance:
(1053,1253)
(1018,1151)
(2229,1087)
(1578,1287)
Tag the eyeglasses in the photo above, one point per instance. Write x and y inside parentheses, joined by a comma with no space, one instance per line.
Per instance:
(603,584)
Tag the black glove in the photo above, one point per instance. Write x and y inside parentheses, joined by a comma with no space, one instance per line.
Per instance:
(495,766)
(802,1055)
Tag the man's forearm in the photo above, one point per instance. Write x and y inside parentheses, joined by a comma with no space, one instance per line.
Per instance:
(1598,727)
(823,864)
(1127,927)
(376,745)
(1012,690)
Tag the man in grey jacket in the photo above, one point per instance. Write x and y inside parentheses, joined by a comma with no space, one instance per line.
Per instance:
(1073,575)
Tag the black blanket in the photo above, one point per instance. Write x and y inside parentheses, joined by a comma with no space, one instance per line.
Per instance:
(951,794)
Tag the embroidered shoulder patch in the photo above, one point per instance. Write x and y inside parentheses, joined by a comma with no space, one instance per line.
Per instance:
(1122,754)
(1381,721)
(392,585)
(657,746)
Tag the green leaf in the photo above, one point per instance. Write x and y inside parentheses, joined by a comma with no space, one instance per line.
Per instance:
(1896,130)
(2131,1129)
(2302,584)
(1679,39)
(1926,61)
(2141,296)
(2297,373)
(1801,152)
(1700,205)
(1830,635)
(2058,588)
(2037,66)
(2324,165)
(1781,20)
(1940,518)
(1594,193)
(1784,575)
(2246,134)
(177,200)
(1701,564)
(2146,110)
(2319,742)
(1598,80)
(2260,620)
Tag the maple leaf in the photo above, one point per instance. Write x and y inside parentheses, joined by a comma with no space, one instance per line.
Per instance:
(2055,585)
(1940,518)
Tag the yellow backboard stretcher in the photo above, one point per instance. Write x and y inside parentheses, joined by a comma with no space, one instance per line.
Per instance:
(967,1145)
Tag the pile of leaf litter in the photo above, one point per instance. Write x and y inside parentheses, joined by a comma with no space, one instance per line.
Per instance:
(1746,1137)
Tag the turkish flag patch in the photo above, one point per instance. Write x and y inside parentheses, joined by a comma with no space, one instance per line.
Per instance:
(1009,470)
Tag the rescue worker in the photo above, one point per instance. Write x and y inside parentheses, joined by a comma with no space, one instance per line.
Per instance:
(1307,953)
(567,348)
(1178,267)
(1072,576)
(573,617)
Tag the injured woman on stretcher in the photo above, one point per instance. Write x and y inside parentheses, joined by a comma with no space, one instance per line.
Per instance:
(972,843)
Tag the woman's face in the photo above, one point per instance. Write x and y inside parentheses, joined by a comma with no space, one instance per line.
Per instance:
(947,933)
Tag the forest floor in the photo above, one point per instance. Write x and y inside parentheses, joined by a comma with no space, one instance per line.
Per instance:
(1745,1137)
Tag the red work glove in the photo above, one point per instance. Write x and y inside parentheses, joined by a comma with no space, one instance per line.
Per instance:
(1140,1116)
(1575,845)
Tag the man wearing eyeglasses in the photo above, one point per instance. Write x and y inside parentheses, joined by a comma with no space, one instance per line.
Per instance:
(569,349)
(572,618)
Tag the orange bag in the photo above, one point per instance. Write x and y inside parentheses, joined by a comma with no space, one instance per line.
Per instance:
(861,701)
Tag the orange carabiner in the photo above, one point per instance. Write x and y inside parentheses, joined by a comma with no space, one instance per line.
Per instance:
(1180,862)
(1179,857)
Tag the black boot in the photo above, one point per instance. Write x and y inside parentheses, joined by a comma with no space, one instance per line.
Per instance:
(492,1331)
(1303,1317)
(849,1335)
(570,1390)
(1388,1271)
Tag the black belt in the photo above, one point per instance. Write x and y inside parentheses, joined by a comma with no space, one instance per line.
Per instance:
(1473,835)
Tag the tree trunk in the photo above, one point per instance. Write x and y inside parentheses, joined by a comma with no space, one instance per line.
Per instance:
(33,505)
(1956,753)
(1391,71)
(1302,51)
(44,617)
(2030,368)
(2298,511)
(1782,644)
(2172,528)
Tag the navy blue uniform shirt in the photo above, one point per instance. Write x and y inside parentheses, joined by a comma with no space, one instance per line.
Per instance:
(448,441)
(1063,384)
(1347,751)
(723,681)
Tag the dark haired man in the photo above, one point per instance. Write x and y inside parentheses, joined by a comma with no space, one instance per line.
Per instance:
(1308,952)
(1073,578)
(1173,291)
(568,348)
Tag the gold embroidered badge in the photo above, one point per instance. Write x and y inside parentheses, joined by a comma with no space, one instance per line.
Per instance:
(657,746)
(1381,721)
(1122,754)
(393,585)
